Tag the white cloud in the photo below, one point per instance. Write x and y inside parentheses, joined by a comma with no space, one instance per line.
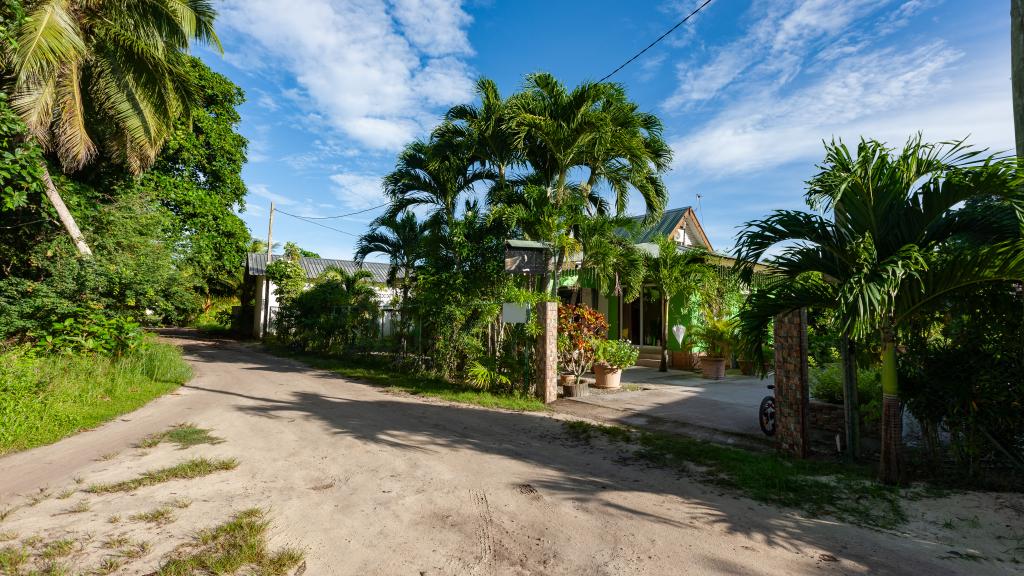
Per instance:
(263,191)
(884,94)
(773,48)
(358,191)
(374,70)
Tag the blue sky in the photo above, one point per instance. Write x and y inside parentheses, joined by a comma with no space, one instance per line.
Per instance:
(747,90)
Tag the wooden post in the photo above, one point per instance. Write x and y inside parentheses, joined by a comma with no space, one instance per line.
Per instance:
(1017,70)
(547,352)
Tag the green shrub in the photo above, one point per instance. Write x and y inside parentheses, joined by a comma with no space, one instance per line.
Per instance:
(616,354)
(88,331)
(827,386)
(45,397)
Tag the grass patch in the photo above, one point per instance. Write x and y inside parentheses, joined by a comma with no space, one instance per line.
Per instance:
(80,507)
(817,488)
(380,374)
(49,397)
(188,469)
(228,548)
(159,516)
(58,548)
(185,435)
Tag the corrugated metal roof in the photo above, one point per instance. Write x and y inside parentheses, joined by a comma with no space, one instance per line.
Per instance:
(664,227)
(256,265)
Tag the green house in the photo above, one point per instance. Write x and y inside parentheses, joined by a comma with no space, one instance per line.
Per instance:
(640,321)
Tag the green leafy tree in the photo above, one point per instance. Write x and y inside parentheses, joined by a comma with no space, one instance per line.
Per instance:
(908,229)
(288,277)
(86,76)
(675,271)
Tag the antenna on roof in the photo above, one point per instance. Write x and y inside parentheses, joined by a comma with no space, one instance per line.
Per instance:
(700,209)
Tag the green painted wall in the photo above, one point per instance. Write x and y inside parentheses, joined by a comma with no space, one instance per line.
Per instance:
(685,313)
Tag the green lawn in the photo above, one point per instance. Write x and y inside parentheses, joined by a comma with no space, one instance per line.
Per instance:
(48,397)
(379,374)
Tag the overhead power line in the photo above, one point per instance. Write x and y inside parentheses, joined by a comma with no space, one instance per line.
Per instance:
(306,219)
(345,215)
(659,39)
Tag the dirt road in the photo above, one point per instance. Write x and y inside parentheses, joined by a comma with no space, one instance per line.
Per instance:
(368,482)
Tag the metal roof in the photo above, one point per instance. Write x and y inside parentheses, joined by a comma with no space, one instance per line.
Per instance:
(662,228)
(256,265)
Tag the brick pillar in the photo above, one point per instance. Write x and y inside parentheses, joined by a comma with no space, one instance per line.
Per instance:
(547,351)
(791,385)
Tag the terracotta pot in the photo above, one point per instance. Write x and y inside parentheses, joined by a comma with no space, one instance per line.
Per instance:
(566,379)
(713,368)
(607,378)
(685,360)
(746,367)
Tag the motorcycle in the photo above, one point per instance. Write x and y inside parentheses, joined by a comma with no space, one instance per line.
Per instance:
(766,413)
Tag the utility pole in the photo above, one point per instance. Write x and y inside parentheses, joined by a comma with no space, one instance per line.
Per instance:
(1017,70)
(266,279)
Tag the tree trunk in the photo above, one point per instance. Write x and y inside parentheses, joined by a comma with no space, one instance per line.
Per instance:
(65,216)
(851,403)
(663,366)
(891,465)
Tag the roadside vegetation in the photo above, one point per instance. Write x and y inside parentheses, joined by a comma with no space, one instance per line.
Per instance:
(845,492)
(379,372)
(45,397)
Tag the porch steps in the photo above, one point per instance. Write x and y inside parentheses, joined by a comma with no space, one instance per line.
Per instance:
(650,357)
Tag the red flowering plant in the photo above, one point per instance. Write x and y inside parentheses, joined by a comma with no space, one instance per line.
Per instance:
(579,328)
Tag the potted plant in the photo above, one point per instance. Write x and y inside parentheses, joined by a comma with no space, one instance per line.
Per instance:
(611,356)
(716,338)
(579,329)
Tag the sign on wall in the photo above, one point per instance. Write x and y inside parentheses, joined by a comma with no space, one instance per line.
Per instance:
(514,313)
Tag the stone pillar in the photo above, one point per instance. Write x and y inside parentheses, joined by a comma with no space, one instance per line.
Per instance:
(547,351)
(792,395)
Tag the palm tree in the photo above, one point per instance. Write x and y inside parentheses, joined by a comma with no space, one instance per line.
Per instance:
(907,230)
(485,129)
(402,240)
(675,271)
(89,75)
(592,127)
(615,266)
(436,173)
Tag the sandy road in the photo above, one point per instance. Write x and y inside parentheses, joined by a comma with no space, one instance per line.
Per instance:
(374,483)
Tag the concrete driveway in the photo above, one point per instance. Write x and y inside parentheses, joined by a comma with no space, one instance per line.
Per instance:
(724,410)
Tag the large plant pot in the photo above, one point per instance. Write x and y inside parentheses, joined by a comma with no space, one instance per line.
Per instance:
(685,360)
(565,379)
(746,367)
(607,378)
(713,368)
(576,390)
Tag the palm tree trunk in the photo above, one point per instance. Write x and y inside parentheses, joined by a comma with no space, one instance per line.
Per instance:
(851,403)
(891,465)
(663,367)
(65,216)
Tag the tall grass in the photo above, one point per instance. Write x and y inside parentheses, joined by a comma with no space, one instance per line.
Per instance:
(45,398)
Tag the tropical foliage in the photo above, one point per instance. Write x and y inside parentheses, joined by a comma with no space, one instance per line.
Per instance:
(899,233)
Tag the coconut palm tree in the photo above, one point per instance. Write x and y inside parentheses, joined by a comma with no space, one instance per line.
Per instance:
(907,229)
(87,76)
(675,271)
